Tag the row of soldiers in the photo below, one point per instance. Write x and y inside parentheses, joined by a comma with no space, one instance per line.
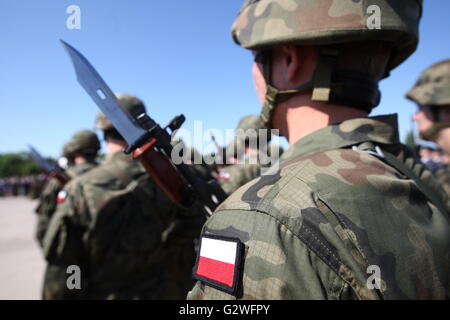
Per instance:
(152,254)
(30,186)
(346,199)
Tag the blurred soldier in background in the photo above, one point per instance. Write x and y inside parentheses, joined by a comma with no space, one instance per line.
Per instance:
(432,156)
(15,184)
(113,223)
(431,93)
(37,185)
(348,214)
(81,152)
(244,153)
(2,187)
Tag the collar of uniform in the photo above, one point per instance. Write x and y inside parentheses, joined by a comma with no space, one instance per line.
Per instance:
(83,167)
(79,168)
(119,155)
(380,129)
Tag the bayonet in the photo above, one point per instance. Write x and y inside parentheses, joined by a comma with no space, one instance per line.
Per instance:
(148,142)
(104,98)
(48,167)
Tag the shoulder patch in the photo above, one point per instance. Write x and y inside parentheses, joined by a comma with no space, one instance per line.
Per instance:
(219,262)
(223,175)
(62,195)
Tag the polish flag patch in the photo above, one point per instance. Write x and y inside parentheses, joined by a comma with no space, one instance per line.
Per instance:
(218,262)
(62,195)
(224,176)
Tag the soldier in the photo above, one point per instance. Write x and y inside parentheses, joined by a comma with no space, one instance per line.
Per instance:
(243,151)
(2,187)
(345,216)
(81,152)
(431,156)
(432,95)
(111,225)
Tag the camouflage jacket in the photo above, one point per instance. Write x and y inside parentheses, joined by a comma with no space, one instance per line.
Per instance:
(443,177)
(48,198)
(234,176)
(110,225)
(333,222)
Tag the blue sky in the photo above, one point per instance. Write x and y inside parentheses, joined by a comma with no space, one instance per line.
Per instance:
(177,56)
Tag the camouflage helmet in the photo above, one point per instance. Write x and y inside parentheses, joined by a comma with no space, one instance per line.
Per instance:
(433,86)
(84,141)
(134,106)
(65,150)
(263,24)
(433,89)
(268,23)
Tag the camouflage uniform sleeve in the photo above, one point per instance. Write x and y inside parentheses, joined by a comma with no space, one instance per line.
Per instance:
(63,245)
(443,178)
(267,272)
(46,208)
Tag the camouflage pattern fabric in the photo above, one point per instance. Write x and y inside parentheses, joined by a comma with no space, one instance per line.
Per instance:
(433,89)
(111,225)
(313,228)
(36,187)
(443,177)
(134,106)
(267,23)
(82,140)
(433,86)
(47,200)
(234,176)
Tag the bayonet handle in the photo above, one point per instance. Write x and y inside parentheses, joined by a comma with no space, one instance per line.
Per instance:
(164,174)
(60,176)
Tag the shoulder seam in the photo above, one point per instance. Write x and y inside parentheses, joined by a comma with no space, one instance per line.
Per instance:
(299,236)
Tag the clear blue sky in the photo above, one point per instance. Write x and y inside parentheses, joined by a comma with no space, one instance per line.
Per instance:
(177,56)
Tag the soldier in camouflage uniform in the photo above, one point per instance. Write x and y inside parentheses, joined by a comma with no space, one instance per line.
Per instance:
(432,95)
(347,215)
(244,150)
(81,152)
(111,226)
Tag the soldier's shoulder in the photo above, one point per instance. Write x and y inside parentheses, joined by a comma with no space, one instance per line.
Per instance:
(99,175)
(442,176)
(443,173)
(302,181)
(51,186)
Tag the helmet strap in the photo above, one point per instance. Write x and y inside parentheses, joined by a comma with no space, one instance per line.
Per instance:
(343,87)
(437,125)
(433,130)
(320,83)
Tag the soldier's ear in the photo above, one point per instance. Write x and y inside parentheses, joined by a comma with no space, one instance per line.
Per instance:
(292,62)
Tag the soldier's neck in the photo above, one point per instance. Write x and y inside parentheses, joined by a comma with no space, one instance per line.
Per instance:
(79,160)
(113,146)
(299,116)
(443,140)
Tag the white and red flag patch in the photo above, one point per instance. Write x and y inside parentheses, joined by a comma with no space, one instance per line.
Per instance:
(62,195)
(218,262)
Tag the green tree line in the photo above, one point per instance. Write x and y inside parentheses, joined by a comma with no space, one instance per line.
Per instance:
(17,164)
